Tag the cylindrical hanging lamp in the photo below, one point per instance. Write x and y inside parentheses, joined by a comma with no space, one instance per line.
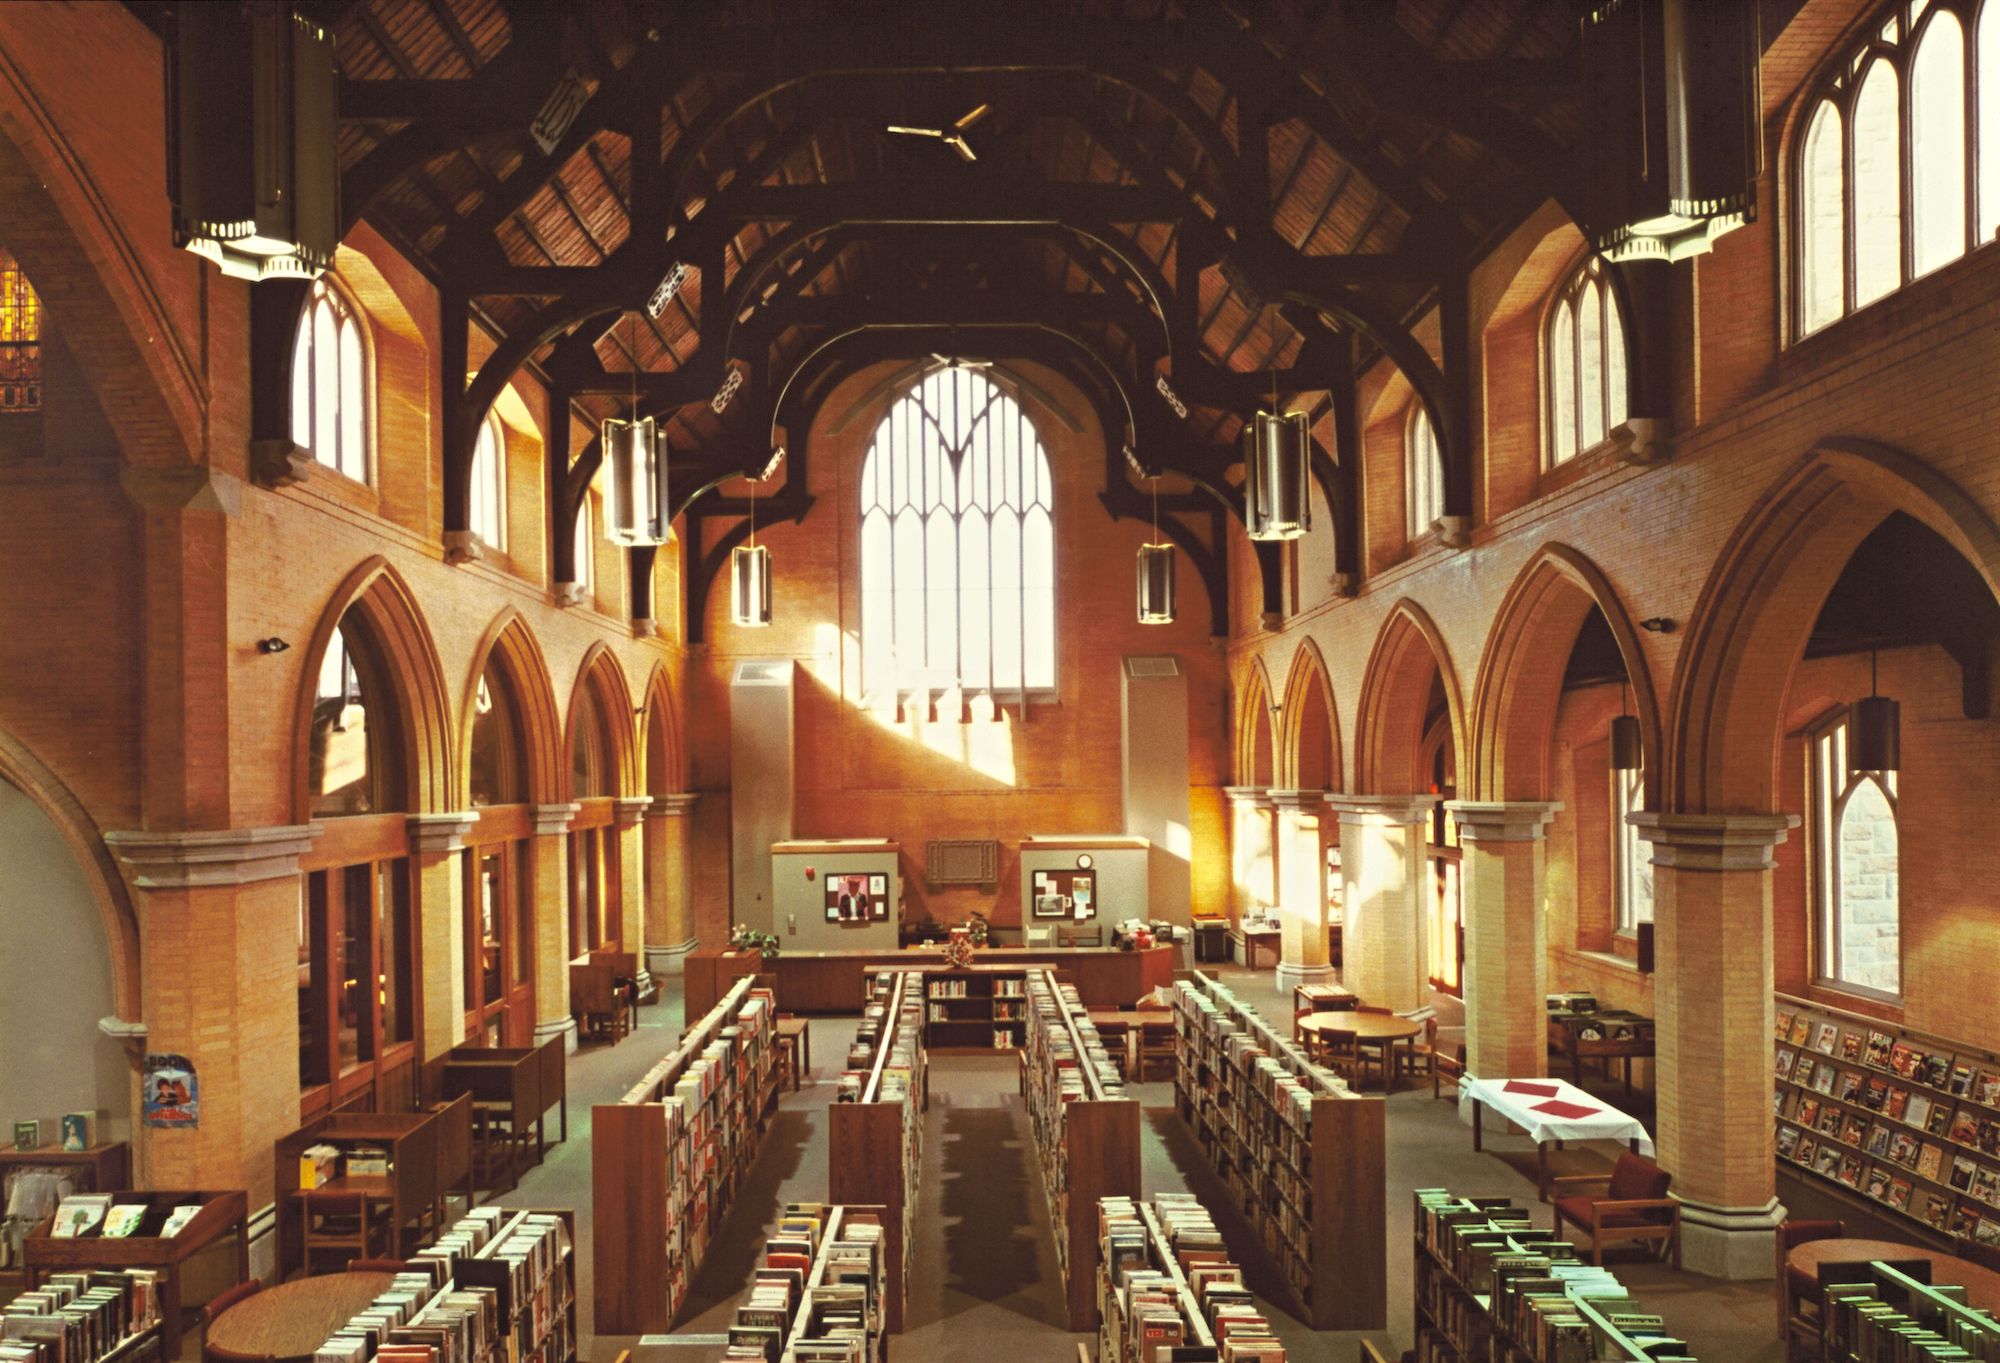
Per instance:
(1626,750)
(750,577)
(1874,730)
(635,460)
(1156,573)
(1277,450)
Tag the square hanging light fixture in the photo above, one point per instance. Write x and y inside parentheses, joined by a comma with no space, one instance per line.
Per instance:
(1277,452)
(635,457)
(1156,572)
(750,577)
(251,167)
(1673,86)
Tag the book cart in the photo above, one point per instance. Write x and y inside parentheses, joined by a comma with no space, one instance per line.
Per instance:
(98,1317)
(1493,1288)
(221,1214)
(1302,1155)
(1086,1131)
(1907,1120)
(667,1158)
(1879,1313)
(822,1279)
(875,1141)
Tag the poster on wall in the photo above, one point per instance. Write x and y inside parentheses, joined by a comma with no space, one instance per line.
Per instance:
(170,1092)
(1065,894)
(857,898)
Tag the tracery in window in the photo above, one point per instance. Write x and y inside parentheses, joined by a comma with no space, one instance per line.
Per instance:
(1632,866)
(1423,473)
(20,340)
(1586,364)
(1855,846)
(957,543)
(330,383)
(1890,185)
(489,484)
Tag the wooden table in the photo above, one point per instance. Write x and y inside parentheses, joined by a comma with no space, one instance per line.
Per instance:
(1982,1285)
(1368,1029)
(793,1034)
(1323,998)
(1261,939)
(293,1319)
(1551,1112)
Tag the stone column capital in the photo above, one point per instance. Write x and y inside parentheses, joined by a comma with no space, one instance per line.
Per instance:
(554,820)
(1502,821)
(1305,801)
(674,805)
(627,811)
(1248,797)
(1714,842)
(218,856)
(1382,810)
(441,832)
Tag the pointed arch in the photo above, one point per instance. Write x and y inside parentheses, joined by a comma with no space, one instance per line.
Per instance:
(383,605)
(662,763)
(604,679)
(1309,725)
(1749,626)
(1395,703)
(1256,745)
(1518,687)
(511,645)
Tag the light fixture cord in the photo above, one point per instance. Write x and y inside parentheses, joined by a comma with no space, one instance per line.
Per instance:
(1155,482)
(753,513)
(634,371)
(1873,687)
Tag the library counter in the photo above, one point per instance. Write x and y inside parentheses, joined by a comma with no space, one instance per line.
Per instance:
(835,981)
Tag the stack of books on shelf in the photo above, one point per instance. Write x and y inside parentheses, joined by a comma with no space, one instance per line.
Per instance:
(84,1318)
(1908,1121)
(875,1145)
(973,1008)
(1169,1282)
(1889,1317)
(1492,1286)
(817,1296)
(414,1320)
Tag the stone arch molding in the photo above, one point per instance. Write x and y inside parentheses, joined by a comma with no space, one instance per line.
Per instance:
(659,708)
(1395,691)
(1308,678)
(600,671)
(1254,720)
(388,610)
(1519,683)
(1749,626)
(509,642)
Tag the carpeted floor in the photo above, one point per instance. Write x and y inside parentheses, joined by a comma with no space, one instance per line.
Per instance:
(985,1285)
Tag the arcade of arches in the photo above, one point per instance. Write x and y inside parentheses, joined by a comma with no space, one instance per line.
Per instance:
(313,770)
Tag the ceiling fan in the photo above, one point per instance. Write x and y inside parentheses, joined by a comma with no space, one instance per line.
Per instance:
(954,136)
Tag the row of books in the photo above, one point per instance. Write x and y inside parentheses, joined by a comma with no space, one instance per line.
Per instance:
(1067,1062)
(817,1295)
(886,1065)
(1490,1284)
(84,1318)
(84,1215)
(1889,1318)
(1180,1288)
(1911,1125)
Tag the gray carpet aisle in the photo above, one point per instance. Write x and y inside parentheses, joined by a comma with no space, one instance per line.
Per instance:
(985,1285)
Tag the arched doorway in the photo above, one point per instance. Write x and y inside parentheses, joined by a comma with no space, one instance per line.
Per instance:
(600,743)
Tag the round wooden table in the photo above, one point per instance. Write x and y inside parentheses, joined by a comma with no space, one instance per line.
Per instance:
(293,1319)
(1982,1285)
(1367,1029)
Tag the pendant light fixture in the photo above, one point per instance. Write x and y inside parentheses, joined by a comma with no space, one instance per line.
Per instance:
(750,576)
(251,167)
(1627,753)
(1874,729)
(1675,161)
(1277,448)
(635,454)
(1156,572)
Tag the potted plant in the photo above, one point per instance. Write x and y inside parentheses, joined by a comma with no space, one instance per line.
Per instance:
(976,924)
(743,938)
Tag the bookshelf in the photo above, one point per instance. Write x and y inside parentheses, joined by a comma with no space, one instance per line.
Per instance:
(528,1260)
(667,1158)
(1491,1287)
(1086,1131)
(89,1318)
(979,1008)
(1904,1119)
(1301,1154)
(875,1141)
(1136,1265)
(822,1278)
(1878,1313)
(103,1168)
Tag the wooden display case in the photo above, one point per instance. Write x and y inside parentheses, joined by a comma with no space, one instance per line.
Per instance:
(221,1214)
(875,1146)
(410,1189)
(1310,1182)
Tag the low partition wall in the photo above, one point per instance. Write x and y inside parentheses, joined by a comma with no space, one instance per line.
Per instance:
(837,981)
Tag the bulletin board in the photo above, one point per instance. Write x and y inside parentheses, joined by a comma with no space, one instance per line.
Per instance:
(1067,895)
(857,898)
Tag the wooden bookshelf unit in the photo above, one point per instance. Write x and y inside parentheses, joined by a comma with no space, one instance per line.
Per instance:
(875,1143)
(1307,1171)
(667,1158)
(1907,1120)
(1875,1313)
(1114,1330)
(1086,1132)
(980,1008)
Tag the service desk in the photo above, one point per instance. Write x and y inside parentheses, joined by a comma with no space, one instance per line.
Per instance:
(835,981)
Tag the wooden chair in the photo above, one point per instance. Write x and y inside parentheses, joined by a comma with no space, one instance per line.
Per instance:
(1635,1206)
(1444,1067)
(343,1225)
(788,1056)
(228,1297)
(1117,1039)
(1799,1318)
(454,1127)
(1426,1059)
(1156,1048)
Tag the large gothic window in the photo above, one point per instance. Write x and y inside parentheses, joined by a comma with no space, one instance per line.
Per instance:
(957,543)
(1586,364)
(1856,865)
(20,340)
(1890,182)
(330,383)
(489,484)
(1423,473)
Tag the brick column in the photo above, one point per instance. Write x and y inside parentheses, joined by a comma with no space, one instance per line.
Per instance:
(625,818)
(1253,857)
(218,941)
(437,898)
(1301,889)
(1712,945)
(552,953)
(1502,878)
(1382,893)
(669,912)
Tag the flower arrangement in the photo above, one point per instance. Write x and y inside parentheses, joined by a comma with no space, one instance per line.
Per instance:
(958,948)
(744,938)
(977,927)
